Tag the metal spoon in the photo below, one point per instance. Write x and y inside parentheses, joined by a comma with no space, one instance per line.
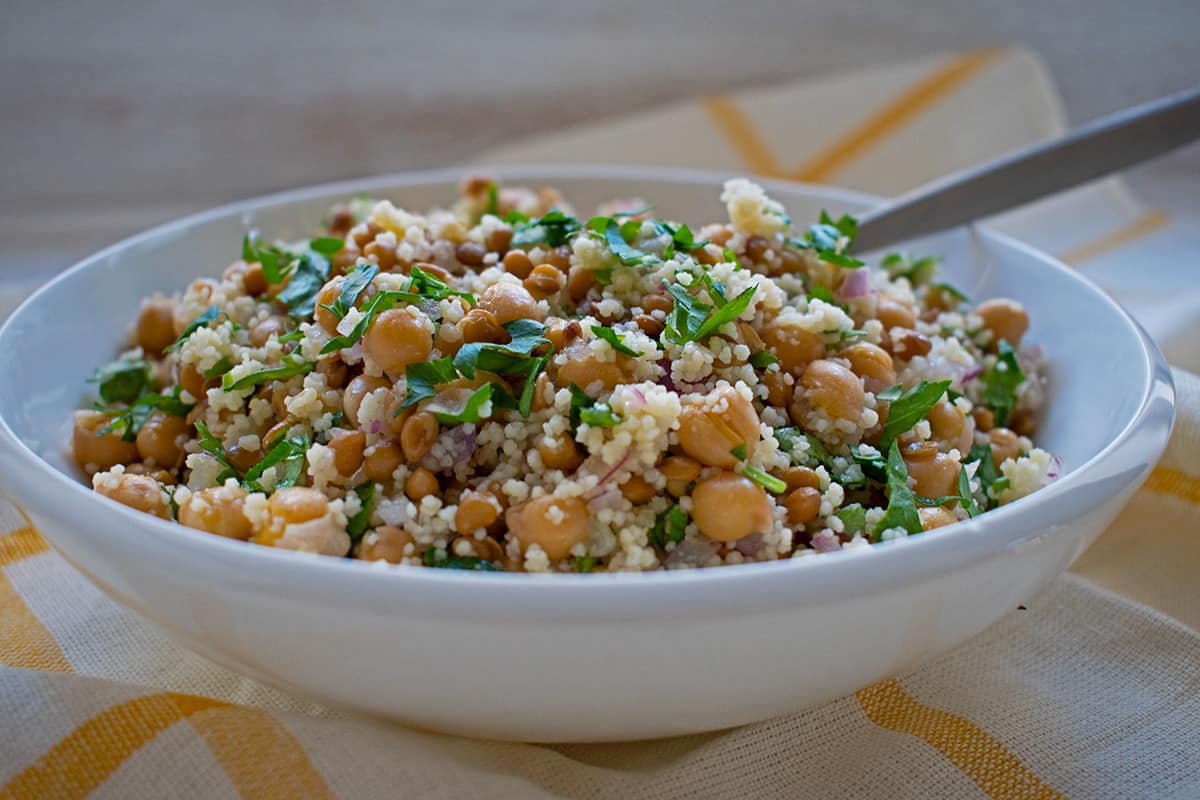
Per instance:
(1099,148)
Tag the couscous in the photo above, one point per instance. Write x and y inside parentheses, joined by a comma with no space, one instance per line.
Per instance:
(506,384)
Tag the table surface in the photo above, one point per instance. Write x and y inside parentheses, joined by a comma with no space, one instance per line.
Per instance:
(125,113)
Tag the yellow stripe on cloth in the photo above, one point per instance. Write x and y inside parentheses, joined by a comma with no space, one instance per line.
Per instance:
(895,114)
(1147,223)
(1164,480)
(24,640)
(742,135)
(21,543)
(981,757)
(260,756)
(88,755)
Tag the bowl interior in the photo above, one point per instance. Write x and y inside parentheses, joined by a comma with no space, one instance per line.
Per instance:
(1098,371)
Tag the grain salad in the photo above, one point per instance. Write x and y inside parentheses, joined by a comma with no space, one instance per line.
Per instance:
(507,384)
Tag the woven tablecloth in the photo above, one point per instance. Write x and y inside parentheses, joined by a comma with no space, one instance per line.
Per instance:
(1091,689)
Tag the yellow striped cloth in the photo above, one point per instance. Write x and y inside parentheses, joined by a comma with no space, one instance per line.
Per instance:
(1084,693)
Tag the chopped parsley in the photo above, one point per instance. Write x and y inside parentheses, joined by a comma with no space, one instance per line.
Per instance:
(210,315)
(289,368)
(477,407)
(356,280)
(872,462)
(503,359)
(739,452)
(989,477)
(768,482)
(599,415)
(218,369)
(433,557)
(831,239)
(123,380)
(669,527)
(822,293)
(493,200)
(292,453)
(902,505)
(693,320)
(1000,383)
(963,497)
(212,445)
(308,276)
(129,420)
(356,526)
(917,271)
(853,517)
(422,286)
(617,236)
(615,339)
(554,229)
(273,261)
(423,379)
(950,290)
(584,564)
(327,246)
(762,359)
(910,408)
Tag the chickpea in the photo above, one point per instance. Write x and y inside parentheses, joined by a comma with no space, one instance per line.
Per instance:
(335,371)
(555,524)
(790,262)
(871,363)
(834,389)
(779,391)
(1005,318)
(560,258)
(559,452)
(241,458)
(498,240)
(893,314)
(518,264)
(420,483)
(470,253)
(487,549)
(360,386)
(562,333)
(254,280)
(217,510)
(583,368)
(347,447)
(545,281)
(935,517)
(709,431)
(658,302)
(156,325)
(481,326)
(580,281)
(261,333)
(508,302)
(908,344)
(797,477)
(951,427)
(139,492)
(381,460)
(328,295)
(158,440)
(757,248)
(984,419)
(795,347)
(418,435)
(1005,445)
(101,452)
(727,506)
(385,543)
(398,337)
(160,475)
(381,254)
(679,468)
(934,474)
(638,490)
(193,382)
(648,325)
(291,506)
(476,510)
(802,505)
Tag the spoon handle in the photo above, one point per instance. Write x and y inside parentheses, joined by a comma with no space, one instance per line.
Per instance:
(1099,148)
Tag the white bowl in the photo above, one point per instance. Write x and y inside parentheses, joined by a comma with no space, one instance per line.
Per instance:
(577,657)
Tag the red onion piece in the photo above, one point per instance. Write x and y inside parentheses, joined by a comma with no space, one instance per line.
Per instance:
(856,284)
(461,440)
(638,394)
(825,541)
(666,381)
(615,468)
(751,546)
(972,373)
(1056,466)
(692,553)
(376,426)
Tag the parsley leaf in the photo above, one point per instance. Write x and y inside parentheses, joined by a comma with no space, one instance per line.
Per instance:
(525,401)
(356,526)
(918,271)
(289,368)
(902,507)
(669,527)
(986,472)
(376,305)
(692,320)
(212,445)
(423,379)
(493,200)
(292,453)
(739,452)
(910,408)
(210,315)
(579,401)
(615,339)
(432,287)
(1000,383)
(831,239)
(327,246)
(763,359)
(630,256)
(478,406)
(273,260)
(554,229)
(300,294)
(130,420)
(599,415)
(433,557)
(123,380)
(950,290)
(768,482)
(505,359)
(872,462)
(356,280)
(584,564)
(853,517)
(822,293)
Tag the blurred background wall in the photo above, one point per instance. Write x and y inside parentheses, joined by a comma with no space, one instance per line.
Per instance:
(120,114)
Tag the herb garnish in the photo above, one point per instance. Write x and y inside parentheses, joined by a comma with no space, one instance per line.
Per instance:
(308,276)
(1000,383)
(693,320)
(210,315)
(423,379)
(831,239)
(356,280)
(327,246)
(131,419)
(289,368)
(917,271)
(669,527)
(599,415)
(292,453)
(477,407)
(433,557)
(853,517)
(615,235)
(910,408)
(768,482)
(356,526)
(615,339)
(902,506)
(123,380)
(584,564)
(502,358)
(762,359)
(212,445)
(554,229)
(739,452)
